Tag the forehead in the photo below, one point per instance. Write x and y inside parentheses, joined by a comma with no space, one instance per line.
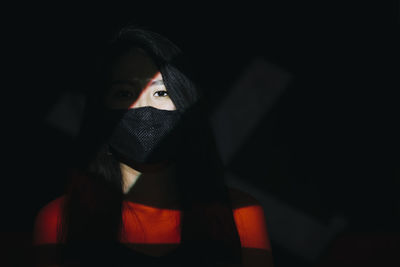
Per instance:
(134,65)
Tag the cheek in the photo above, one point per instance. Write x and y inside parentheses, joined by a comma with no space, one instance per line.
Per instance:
(168,105)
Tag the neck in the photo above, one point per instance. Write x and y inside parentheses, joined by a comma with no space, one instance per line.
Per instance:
(151,186)
(129,177)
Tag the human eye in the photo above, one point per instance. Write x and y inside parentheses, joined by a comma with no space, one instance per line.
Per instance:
(123,94)
(161,93)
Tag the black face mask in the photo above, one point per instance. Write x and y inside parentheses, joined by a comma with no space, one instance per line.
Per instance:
(146,135)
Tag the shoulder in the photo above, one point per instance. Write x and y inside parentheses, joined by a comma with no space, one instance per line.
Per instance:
(46,222)
(240,199)
(250,221)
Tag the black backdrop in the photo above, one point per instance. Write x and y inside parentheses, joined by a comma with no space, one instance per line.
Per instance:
(336,125)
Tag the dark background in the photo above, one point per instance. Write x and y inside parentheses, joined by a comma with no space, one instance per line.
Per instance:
(328,145)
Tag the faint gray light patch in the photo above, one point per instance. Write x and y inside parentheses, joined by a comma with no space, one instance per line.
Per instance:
(66,114)
(251,97)
(291,228)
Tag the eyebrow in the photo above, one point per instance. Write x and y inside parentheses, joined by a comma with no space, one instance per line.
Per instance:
(136,82)
(131,83)
(157,82)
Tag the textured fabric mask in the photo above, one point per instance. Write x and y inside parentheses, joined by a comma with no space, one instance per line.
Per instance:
(146,135)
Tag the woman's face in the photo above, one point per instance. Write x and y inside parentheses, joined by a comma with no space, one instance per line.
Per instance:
(136,82)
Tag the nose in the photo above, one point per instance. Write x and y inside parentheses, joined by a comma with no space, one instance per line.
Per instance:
(142,99)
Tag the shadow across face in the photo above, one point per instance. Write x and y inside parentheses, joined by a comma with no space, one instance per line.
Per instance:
(142,116)
(137,82)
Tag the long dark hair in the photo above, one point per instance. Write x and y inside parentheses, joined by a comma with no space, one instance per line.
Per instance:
(93,206)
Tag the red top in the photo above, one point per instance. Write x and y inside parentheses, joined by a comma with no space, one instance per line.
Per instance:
(146,224)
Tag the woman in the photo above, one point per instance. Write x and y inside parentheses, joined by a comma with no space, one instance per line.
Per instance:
(148,187)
